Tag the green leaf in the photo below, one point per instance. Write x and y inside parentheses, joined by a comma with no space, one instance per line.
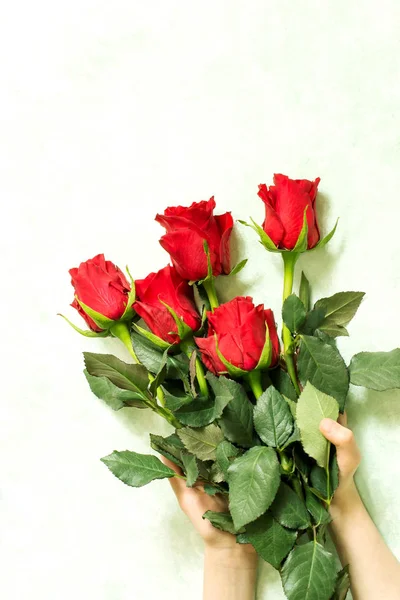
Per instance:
(174,403)
(341,307)
(327,238)
(222,521)
(315,508)
(224,452)
(211,490)
(161,375)
(325,337)
(203,412)
(333,330)
(271,541)
(313,320)
(136,469)
(309,573)
(304,291)
(293,313)
(342,584)
(322,365)
(313,406)
(167,448)
(201,442)
(376,370)
(289,510)
(148,354)
(302,240)
(112,395)
(237,418)
(283,383)
(190,468)
(265,240)
(125,376)
(152,356)
(216,474)
(239,267)
(253,482)
(200,413)
(273,420)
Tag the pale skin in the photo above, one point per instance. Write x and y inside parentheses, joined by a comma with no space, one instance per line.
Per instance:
(230,568)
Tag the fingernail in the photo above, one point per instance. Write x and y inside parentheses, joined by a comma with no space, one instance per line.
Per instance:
(327,424)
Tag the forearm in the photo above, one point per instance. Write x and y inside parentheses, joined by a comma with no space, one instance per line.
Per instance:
(374,570)
(230,573)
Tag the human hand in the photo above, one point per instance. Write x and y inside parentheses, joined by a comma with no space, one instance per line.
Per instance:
(194,502)
(348,457)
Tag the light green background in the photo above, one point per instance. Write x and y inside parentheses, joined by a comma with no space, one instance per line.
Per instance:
(111,111)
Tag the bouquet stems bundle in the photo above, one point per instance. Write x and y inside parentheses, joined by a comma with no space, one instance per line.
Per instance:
(245,405)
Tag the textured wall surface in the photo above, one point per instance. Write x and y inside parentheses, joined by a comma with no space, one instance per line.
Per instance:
(110,111)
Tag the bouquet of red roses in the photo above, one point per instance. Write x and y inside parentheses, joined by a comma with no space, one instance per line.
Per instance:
(244,405)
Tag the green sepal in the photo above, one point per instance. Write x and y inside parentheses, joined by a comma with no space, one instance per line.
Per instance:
(151,337)
(238,267)
(266,354)
(209,265)
(86,333)
(302,241)
(129,313)
(184,330)
(232,370)
(304,291)
(98,318)
(327,238)
(265,240)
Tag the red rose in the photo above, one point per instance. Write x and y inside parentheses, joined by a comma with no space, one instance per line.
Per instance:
(166,285)
(102,286)
(285,203)
(187,228)
(239,327)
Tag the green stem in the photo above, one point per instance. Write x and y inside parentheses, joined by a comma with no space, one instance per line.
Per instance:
(328,483)
(201,378)
(289,262)
(254,380)
(209,286)
(187,348)
(167,415)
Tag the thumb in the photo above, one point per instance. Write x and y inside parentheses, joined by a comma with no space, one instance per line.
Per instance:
(348,454)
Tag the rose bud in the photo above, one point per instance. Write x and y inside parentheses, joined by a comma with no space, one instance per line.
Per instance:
(165,302)
(102,293)
(187,230)
(285,203)
(241,337)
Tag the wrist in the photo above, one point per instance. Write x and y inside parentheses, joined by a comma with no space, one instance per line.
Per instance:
(346,501)
(237,556)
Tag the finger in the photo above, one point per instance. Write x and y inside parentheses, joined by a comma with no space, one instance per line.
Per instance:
(343,419)
(178,485)
(348,454)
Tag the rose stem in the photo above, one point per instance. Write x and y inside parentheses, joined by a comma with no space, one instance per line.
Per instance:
(209,286)
(254,380)
(289,262)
